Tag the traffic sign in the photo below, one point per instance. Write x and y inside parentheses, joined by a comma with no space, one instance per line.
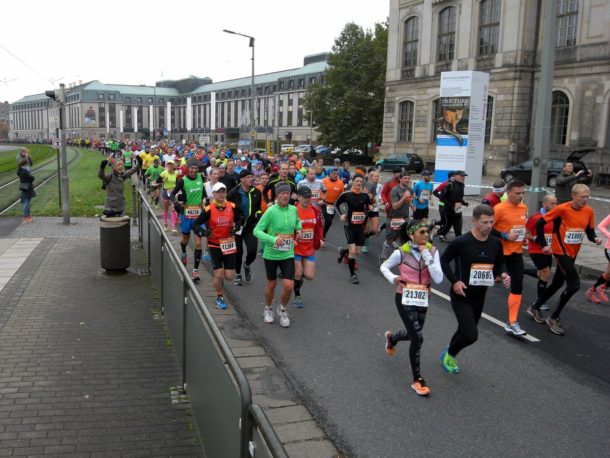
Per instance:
(56,143)
(253,133)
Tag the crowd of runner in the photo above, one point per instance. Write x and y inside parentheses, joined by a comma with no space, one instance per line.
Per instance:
(232,204)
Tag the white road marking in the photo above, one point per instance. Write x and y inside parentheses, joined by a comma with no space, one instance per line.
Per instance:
(487,317)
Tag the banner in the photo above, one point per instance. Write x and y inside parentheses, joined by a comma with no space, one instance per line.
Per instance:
(168,123)
(189,114)
(213,111)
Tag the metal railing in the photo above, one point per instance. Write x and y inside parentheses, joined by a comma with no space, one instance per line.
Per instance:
(229,424)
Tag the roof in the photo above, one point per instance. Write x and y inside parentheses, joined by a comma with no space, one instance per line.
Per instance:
(32,98)
(131,89)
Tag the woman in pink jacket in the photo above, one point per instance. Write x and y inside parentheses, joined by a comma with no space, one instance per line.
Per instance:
(597,293)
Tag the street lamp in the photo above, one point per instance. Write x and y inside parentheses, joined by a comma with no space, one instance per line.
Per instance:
(252,124)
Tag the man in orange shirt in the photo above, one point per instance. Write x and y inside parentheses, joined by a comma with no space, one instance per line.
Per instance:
(571,222)
(334,187)
(510,218)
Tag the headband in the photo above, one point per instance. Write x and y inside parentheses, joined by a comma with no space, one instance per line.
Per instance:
(415,227)
(502,189)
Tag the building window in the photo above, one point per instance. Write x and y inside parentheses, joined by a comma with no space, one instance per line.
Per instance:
(489,118)
(446,35)
(299,112)
(102,120)
(405,121)
(437,116)
(100,96)
(489,27)
(565,29)
(150,100)
(138,100)
(127,100)
(560,111)
(410,45)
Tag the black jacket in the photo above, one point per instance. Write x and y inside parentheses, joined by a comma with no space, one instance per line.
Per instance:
(452,194)
(254,209)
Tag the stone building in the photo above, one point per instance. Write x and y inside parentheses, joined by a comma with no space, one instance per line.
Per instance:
(220,112)
(503,38)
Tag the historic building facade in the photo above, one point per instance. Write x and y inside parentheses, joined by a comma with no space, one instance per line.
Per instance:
(503,38)
(192,108)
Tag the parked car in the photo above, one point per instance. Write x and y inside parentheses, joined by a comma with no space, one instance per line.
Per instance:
(406,161)
(352,151)
(288,148)
(523,171)
(322,149)
(302,149)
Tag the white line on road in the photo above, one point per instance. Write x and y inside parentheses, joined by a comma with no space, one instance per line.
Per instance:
(486,316)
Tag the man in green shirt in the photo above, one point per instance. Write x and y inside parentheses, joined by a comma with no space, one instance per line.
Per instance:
(277,230)
(152,173)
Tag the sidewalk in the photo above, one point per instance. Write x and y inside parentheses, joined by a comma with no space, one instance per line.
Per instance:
(84,368)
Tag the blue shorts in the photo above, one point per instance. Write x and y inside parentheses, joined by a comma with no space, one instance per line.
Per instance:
(311,258)
(186,224)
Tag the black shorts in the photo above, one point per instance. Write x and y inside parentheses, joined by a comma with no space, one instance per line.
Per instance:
(221,261)
(286,267)
(421,213)
(541,260)
(355,234)
(373,215)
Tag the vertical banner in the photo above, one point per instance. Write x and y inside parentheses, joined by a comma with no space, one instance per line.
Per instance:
(151,120)
(189,114)
(168,123)
(121,121)
(134,110)
(213,111)
(460,127)
(107,122)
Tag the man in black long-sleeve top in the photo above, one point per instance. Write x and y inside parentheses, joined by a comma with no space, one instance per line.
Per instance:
(478,260)
(452,197)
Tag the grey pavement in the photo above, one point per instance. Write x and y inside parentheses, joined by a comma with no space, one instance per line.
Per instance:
(84,367)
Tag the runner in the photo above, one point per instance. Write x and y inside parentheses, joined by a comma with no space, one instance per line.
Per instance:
(310,241)
(541,260)
(168,178)
(494,197)
(571,221)
(277,230)
(441,206)
(374,189)
(317,186)
(452,197)
(354,217)
(418,262)
(219,222)
(603,282)
(422,192)
(248,199)
(400,199)
(478,260)
(189,204)
(151,176)
(333,189)
(282,176)
(510,218)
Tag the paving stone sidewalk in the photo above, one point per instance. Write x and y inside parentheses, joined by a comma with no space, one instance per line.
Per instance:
(84,368)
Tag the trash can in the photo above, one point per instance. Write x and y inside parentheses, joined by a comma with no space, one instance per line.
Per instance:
(115,248)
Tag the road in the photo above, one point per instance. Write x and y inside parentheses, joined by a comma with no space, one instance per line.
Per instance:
(512,398)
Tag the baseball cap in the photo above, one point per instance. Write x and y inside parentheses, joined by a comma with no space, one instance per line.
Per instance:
(426,173)
(218,187)
(396,170)
(304,191)
(337,160)
(460,172)
(243,158)
(334,169)
(192,162)
(170,161)
(244,173)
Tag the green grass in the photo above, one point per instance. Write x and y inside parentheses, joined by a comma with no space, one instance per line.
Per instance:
(40,154)
(86,195)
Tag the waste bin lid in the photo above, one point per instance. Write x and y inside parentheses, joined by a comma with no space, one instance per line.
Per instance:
(114,219)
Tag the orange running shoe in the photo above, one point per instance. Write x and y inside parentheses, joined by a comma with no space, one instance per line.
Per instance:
(601,293)
(591,295)
(389,347)
(419,386)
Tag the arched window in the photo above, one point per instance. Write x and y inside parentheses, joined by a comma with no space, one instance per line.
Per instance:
(405,121)
(409,46)
(565,29)
(446,35)
(560,111)
(489,27)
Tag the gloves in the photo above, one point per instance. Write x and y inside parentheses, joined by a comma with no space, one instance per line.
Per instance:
(104,164)
(202,231)
(427,257)
(236,229)
(178,207)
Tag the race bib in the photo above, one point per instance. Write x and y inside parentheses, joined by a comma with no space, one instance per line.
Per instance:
(315,194)
(192,212)
(416,295)
(481,275)
(520,231)
(395,223)
(228,246)
(425,194)
(307,234)
(548,238)
(574,236)
(358,217)
(330,209)
(458,209)
(285,242)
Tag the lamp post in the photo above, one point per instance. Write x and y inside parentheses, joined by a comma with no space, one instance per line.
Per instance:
(252,123)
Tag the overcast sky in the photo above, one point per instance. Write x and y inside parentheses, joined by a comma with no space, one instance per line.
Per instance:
(135,42)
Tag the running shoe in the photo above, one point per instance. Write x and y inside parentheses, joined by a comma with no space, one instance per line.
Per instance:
(535,315)
(514,329)
(601,293)
(237,280)
(354,279)
(183,259)
(195,275)
(206,256)
(382,227)
(419,386)
(174,230)
(165,227)
(389,346)
(298,302)
(220,302)
(591,295)
(247,272)
(449,363)
(268,316)
(284,319)
(545,307)
(555,326)
(442,238)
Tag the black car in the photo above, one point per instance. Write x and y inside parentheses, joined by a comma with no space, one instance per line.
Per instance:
(406,161)
(523,171)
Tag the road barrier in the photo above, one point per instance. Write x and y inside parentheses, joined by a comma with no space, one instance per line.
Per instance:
(229,424)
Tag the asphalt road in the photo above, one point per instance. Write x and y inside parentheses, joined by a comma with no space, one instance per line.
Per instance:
(513,397)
